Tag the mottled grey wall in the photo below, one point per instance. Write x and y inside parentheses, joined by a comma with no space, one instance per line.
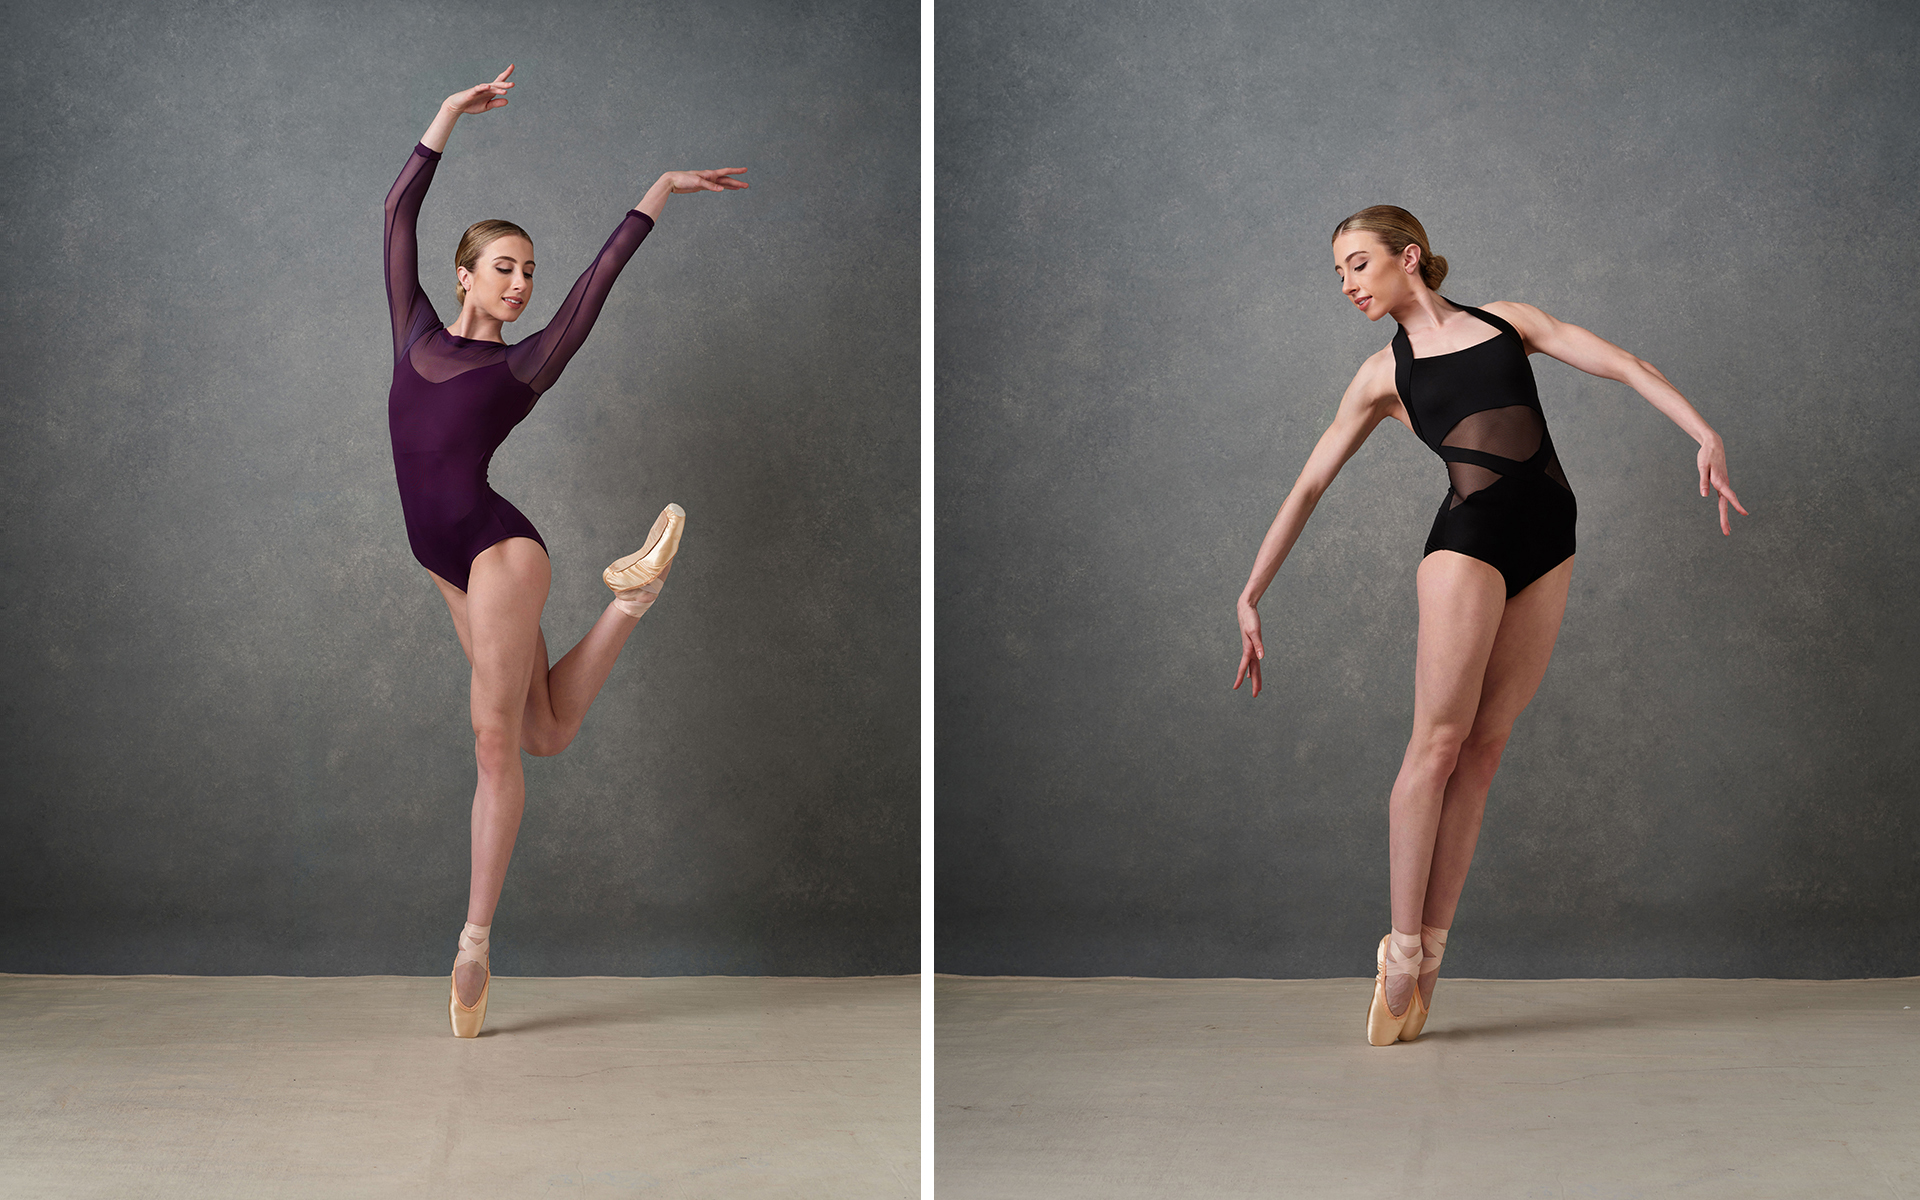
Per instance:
(236,713)
(1140,338)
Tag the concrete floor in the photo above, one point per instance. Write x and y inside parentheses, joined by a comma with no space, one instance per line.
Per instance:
(1120,1088)
(164,1086)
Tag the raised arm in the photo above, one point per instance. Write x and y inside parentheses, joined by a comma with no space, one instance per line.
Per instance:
(538,360)
(407,302)
(1595,355)
(1369,399)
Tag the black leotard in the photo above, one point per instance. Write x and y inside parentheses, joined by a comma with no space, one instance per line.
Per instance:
(455,399)
(1509,504)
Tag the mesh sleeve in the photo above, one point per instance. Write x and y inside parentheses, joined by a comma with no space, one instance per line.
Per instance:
(407,301)
(538,361)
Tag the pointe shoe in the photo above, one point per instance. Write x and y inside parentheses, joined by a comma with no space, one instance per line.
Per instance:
(1416,1016)
(650,561)
(1433,943)
(467,1020)
(1399,954)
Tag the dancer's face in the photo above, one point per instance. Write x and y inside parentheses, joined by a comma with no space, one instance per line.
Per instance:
(501,281)
(1374,280)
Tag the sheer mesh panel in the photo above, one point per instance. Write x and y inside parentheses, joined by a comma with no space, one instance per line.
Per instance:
(1468,479)
(1513,432)
(1554,473)
(407,303)
(439,359)
(538,360)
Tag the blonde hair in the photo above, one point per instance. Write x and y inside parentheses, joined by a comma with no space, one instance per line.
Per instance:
(1398,228)
(478,237)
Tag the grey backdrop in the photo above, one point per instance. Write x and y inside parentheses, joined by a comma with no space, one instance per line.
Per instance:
(1140,337)
(237,714)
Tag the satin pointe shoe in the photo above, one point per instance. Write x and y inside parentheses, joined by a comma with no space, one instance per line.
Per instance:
(472,948)
(1433,943)
(1399,954)
(1416,1017)
(650,561)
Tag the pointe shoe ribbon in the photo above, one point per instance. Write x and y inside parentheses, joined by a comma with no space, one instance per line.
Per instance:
(650,561)
(1433,943)
(1399,954)
(472,948)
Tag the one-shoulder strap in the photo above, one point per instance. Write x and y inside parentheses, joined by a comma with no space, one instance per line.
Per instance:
(1403,376)
(1497,322)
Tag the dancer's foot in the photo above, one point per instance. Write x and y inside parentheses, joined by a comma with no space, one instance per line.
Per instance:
(1399,991)
(1399,961)
(468,979)
(650,561)
(1433,943)
(472,977)
(636,601)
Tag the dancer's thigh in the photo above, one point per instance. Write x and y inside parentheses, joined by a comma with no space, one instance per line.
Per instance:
(1461,604)
(457,608)
(506,590)
(1521,650)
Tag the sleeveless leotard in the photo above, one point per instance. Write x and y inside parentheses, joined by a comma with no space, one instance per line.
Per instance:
(1478,409)
(455,399)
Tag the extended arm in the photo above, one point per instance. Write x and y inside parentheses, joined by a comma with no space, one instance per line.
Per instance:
(407,302)
(1369,399)
(1595,355)
(538,361)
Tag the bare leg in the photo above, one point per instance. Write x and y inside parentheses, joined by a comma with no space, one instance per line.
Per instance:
(517,703)
(1462,601)
(506,590)
(1515,668)
(557,697)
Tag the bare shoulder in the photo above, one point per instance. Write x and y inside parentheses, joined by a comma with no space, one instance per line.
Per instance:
(1374,380)
(1374,386)
(1379,367)
(1533,324)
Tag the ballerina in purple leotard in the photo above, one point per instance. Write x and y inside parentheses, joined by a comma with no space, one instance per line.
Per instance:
(457,392)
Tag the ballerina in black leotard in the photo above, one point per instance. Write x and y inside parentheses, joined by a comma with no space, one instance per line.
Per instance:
(457,392)
(1493,582)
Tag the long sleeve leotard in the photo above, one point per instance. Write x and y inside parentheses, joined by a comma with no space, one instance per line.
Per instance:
(455,399)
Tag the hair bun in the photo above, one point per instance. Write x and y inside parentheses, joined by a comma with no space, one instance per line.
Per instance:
(1398,229)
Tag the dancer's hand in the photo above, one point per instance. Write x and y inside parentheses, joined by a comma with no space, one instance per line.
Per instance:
(679,183)
(482,96)
(1712,461)
(1252,650)
(682,182)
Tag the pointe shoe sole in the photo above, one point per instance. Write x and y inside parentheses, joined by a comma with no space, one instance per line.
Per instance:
(645,565)
(467,1021)
(1383,1028)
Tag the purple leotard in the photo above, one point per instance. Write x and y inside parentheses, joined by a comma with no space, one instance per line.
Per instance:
(454,399)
